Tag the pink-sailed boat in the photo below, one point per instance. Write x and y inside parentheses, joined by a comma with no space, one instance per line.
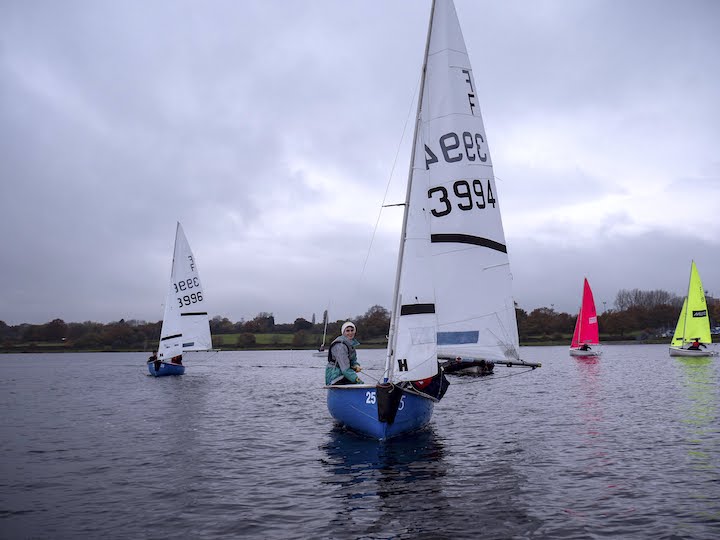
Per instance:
(586,338)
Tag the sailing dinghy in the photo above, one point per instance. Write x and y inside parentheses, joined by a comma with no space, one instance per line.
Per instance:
(321,352)
(587,332)
(185,324)
(452,287)
(694,322)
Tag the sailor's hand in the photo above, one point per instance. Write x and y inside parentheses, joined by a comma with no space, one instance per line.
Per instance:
(357,368)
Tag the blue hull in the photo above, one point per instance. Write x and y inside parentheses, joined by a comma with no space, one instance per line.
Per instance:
(355,407)
(165,369)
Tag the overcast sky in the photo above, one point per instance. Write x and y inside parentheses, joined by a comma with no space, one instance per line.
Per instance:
(271,129)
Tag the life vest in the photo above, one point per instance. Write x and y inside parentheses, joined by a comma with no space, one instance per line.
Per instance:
(352,353)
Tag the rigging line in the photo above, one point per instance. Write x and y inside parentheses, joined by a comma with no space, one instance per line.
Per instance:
(387,186)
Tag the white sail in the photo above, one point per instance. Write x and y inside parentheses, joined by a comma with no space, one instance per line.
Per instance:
(185,322)
(473,284)
(454,287)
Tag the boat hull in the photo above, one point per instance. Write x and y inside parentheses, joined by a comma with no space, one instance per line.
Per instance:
(355,407)
(165,369)
(580,352)
(468,367)
(677,351)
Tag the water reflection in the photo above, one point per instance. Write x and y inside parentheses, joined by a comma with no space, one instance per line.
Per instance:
(591,411)
(700,412)
(386,487)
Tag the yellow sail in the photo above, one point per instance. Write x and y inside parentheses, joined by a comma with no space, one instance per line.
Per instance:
(694,322)
(677,339)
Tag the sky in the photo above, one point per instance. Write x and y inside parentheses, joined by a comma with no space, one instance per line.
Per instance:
(275,130)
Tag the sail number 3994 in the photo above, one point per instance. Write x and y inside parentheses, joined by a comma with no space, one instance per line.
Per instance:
(472,148)
(468,194)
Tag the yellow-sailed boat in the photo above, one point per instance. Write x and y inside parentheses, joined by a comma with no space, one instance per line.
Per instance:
(692,333)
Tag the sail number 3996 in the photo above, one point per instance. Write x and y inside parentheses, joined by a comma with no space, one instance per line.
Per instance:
(189,299)
(186,284)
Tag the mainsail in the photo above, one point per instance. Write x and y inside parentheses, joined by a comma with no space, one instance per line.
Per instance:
(455,184)
(452,287)
(694,321)
(457,297)
(586,325)
(185,322)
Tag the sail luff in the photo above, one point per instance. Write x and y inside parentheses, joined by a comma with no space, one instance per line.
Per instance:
(697,321)
(589,331)
(395,317)
(687,298)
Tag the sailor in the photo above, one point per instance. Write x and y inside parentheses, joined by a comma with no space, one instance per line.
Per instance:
(343,367)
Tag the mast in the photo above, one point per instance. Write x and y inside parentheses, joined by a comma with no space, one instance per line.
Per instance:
(580,316)
(325,316)
(687,299)
(389,362)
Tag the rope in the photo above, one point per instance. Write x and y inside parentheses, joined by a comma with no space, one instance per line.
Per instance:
(387,186)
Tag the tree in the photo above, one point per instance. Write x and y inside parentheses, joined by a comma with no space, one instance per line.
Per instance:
(55,330)
(302,324)
(375,322)
(265,322)
(221,325)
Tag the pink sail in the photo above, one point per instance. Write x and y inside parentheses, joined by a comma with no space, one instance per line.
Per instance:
(586,326)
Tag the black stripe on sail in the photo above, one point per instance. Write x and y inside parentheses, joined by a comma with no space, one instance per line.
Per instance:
(417,309)
(191,314)
(171,337)
(468,239)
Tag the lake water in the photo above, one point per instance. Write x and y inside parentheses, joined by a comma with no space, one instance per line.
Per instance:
(242,446)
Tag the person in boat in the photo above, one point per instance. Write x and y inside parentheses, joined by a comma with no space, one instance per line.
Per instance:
(585,347)
(343,367)
(155,361)
(176,360)
(695,345)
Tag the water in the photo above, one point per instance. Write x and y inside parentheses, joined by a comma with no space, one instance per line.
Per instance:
(242,445)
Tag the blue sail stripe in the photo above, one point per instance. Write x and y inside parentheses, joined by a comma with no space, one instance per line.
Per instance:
(457,338)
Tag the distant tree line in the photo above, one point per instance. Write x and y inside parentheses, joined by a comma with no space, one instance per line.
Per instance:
(636,314)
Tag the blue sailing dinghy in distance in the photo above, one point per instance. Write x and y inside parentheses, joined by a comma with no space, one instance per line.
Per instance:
(185,326)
